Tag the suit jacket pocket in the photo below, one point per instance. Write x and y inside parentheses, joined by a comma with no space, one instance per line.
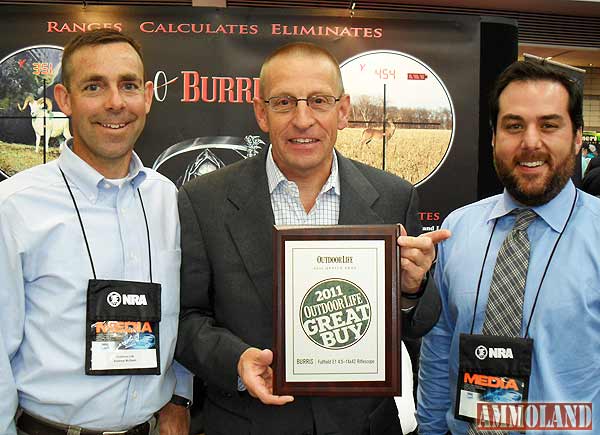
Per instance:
(221,421)
(384,419)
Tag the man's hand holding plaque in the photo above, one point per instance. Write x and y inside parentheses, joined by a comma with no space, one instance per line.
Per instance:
(254,370)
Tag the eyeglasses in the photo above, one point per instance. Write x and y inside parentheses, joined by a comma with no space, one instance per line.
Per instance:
(287,103)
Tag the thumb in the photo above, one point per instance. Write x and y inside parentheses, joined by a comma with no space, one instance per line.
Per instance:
(265,357)
(402,230)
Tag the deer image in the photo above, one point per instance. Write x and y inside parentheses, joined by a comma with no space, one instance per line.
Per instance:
(371,133)
(56,123)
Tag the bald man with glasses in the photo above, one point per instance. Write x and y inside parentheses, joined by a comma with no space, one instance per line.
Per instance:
(227,218)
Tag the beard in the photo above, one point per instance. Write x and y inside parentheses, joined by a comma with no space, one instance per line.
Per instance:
(524,189)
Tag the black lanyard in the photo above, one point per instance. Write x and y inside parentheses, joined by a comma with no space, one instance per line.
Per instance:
(543,275)
(83,229)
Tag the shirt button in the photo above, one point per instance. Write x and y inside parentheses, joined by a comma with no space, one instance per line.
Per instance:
(107,185)
(134,395)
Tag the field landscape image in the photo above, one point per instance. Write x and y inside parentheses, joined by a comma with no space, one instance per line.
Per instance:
(412,154)
(18,157)
(401,118)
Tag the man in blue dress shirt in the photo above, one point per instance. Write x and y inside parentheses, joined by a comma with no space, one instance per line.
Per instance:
(94,217)
(537,122)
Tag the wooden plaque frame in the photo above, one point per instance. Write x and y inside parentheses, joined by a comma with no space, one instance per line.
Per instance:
(391,386)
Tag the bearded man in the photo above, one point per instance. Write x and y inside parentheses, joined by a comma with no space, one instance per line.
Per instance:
(519,279)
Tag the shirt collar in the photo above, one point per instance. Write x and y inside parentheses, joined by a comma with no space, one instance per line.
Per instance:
(87,179)
(555,213)
(275,177)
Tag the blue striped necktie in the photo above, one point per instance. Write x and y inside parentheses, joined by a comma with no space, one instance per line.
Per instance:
(504,311)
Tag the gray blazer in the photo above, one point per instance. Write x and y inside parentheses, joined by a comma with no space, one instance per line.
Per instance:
(226,295)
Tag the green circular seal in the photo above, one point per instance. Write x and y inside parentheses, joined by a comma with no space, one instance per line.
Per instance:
(335,313)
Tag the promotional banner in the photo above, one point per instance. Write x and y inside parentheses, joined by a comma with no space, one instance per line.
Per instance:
(589,149)
(413,80)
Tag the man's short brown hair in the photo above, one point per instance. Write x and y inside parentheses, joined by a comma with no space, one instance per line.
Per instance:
(94,37)
(301,49)
(526,71)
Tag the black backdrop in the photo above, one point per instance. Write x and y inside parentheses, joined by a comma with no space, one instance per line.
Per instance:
(226,47)
(466,54)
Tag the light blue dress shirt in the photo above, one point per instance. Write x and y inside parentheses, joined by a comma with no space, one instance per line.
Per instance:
(566,323)
(44,273)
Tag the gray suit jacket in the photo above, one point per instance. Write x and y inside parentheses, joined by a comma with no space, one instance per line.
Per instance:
(226,295)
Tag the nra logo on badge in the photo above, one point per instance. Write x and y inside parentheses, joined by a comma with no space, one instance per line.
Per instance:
(483,352)
(115,299)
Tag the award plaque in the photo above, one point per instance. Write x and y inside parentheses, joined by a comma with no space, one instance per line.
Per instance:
(336,316)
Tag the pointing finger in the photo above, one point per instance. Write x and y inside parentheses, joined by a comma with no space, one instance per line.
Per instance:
(437,236)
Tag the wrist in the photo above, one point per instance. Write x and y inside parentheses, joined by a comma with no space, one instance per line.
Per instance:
(419,293)
(180,401)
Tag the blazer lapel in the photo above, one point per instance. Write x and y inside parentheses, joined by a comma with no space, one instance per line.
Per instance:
(251,224)
(357,196)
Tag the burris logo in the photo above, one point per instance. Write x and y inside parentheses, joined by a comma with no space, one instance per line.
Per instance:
(114,299)
(483,352)
(335,313)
